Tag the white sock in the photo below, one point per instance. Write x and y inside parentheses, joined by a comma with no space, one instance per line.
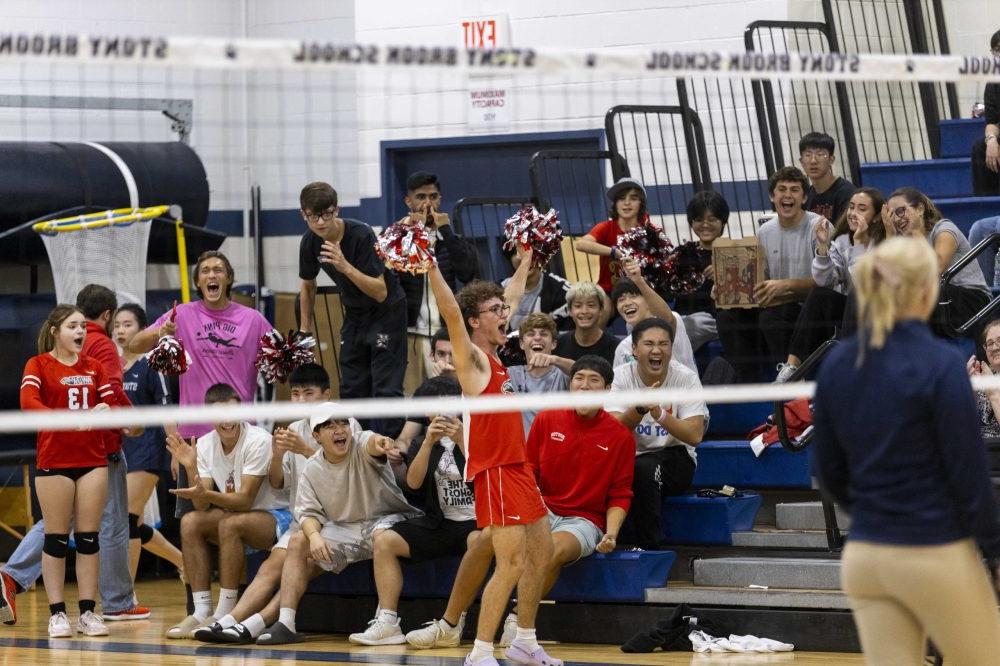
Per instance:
(526,637)
(226,621)
(511,617)
(227,602)
(480,650)
(202,604)
(286,616)
(387,616)
(255,624)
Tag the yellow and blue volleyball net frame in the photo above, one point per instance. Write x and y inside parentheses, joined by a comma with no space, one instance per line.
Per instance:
(123,217)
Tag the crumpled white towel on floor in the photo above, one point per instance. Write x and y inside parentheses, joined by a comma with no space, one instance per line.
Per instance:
(702,642)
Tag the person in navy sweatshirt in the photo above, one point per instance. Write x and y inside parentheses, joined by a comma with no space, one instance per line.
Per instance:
(897,444)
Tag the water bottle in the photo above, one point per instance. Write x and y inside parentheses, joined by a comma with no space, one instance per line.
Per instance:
(996,271)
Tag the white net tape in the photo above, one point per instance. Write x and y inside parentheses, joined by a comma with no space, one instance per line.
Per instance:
(113,256)
(18,421)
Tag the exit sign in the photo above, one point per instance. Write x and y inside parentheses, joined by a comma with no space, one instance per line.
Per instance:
(486,32)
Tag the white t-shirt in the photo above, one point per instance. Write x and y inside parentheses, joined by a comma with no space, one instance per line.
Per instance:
(454,496)
(250,457)
(681,350)
(650,435)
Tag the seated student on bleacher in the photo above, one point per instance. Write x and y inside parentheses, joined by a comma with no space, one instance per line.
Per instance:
(986,152)
(543,371)
(628,209)
(988,402)
(665,435)
(290,448)
(752,335)
(582,460)
(828,194)
(448,527)
(707,215)
(544,292)
(234,506)
(837,250)
(910,212)
(442,364)
(337,528)
(635,301)
(587,304)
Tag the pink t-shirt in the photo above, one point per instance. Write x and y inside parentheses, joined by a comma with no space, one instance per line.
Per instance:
(222,345)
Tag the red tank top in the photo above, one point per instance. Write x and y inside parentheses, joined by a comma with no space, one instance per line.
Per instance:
(497,438)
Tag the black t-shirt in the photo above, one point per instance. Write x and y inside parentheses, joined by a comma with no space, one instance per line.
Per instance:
(568,347)
(358,246)
(833,202)
(991,100)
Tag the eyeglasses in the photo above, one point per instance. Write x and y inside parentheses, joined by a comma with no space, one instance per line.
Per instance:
(499,310)
(899,212)
(810,155)
(993,344)
(327,216)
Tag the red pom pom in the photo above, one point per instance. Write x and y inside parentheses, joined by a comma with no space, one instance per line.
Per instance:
(530,229)
(406,247)
(168,356)
(649,246)
(278,355)
(683,269)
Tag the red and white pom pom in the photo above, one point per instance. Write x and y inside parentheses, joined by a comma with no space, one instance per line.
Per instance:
(528,228)
(279,355)
(168,356)
(406,247)
(650,247)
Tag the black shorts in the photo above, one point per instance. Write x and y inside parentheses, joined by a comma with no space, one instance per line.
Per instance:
(71,473)
(428,541)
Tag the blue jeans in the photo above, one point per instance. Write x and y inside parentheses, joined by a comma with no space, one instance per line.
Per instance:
(987,259)
(25,564)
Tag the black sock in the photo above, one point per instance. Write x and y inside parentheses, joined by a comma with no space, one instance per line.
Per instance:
(57,608)
(87,605)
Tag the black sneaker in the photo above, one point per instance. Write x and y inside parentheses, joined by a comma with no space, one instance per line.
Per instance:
(209,634)
(278,634)
(236,635)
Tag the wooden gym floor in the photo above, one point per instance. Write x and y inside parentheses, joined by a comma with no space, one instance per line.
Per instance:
(142,642)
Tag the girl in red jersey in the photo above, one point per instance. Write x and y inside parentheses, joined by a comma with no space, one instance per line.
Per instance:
(71,480)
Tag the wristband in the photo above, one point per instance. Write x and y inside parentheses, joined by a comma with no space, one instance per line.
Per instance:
(611,255)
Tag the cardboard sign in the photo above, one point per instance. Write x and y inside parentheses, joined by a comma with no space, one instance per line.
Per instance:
(739,265)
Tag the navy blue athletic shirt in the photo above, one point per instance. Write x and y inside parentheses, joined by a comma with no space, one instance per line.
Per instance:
(897,442)
(148,451)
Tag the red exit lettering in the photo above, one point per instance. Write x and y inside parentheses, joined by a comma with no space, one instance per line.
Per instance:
(480,34)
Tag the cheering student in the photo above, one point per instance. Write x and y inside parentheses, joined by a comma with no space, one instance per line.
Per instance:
(897,444)
(628,210)
(72,477)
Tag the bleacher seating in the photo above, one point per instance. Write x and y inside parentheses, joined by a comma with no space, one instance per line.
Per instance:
(689,519)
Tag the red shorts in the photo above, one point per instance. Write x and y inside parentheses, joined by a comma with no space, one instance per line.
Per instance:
(507,495)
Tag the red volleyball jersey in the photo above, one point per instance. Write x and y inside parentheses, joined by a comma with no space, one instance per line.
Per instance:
(50,384)
(496,438)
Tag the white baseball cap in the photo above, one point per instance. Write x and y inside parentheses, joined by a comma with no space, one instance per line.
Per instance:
(625,184)
(325,413)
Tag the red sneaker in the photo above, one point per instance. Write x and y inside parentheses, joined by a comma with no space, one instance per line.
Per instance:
(134,613)
(8,592)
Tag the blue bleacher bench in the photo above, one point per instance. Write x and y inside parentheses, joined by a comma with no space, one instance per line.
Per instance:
(689,519)
(733,463)
(618,576)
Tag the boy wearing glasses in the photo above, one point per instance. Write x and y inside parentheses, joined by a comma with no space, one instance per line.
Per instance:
(373,335)
(827,195)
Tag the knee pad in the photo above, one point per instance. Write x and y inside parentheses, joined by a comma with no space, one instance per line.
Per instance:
(145,534)
(133,526)
(87,543)
(56,545)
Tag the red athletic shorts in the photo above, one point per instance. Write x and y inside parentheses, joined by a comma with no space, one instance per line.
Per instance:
(507,495)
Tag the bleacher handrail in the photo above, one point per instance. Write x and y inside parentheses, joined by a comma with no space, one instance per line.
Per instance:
(988,243)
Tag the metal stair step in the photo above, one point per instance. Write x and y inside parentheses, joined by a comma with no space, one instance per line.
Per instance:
(699,595)
(772,572)
(764,537)
(806,516)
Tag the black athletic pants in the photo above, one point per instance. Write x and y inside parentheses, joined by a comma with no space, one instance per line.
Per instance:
(985,183)
(373,362)
(755,340)
(821,316)
(657,474)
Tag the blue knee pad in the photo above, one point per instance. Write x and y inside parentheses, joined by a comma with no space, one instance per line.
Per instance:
(87,543)
(56,545)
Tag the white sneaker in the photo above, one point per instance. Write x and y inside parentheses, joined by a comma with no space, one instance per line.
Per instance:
(59,626)
(785,372)
(379,632)
(509,631)
(437,634)
(91,624)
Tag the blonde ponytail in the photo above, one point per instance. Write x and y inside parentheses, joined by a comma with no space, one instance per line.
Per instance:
(890,281)
(59,314)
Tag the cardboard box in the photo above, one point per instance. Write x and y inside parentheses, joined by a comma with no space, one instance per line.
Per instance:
(739,265)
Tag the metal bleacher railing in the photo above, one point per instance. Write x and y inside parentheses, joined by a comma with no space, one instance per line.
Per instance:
(970,327)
